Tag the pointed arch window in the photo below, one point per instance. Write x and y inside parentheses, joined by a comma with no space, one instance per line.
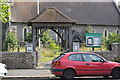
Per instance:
(106,33)
(24,33)
(117,31)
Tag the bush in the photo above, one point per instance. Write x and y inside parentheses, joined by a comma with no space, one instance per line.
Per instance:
(10,41)
(112,38)
(53,46)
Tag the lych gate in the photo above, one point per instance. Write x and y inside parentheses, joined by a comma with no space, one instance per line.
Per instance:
(51,18)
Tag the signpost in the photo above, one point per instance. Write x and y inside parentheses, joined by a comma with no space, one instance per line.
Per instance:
(93,39)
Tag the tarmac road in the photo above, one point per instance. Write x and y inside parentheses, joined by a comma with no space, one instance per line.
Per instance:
(59,79)
(41,74)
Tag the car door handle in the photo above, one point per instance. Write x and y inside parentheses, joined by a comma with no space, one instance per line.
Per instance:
(87,64)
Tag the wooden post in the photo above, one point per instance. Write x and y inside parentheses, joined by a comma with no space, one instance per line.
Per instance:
(70,39)
(59,31)
(66,37)
(34,38)
(92,48)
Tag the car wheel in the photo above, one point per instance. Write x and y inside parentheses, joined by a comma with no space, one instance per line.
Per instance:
(68,74)
(105,76)
(116,73)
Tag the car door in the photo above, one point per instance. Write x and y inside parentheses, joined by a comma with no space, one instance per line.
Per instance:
(76,60)
(95,65)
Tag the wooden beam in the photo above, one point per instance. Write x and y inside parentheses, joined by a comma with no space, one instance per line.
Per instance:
(66,37)
(57,33)
(70,39)
(34,38)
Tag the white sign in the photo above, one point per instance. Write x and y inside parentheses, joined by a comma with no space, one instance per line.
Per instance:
(29,47)
(76,46)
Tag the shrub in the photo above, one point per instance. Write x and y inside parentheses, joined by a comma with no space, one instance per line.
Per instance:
(10,41)
(112,38)
(53,46)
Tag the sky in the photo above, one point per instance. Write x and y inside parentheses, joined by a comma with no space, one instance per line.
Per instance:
(117,1)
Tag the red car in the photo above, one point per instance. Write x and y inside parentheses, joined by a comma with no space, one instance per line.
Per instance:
(72,64)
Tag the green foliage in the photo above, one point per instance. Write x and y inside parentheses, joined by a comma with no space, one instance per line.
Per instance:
(10,41)
(45,37)
(46,52)
(28,37)
(49,43)
(53,46)
(89,29)
(112,38)
(4,11)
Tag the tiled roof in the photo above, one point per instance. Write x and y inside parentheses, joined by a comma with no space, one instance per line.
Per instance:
(51,15)
(101,13)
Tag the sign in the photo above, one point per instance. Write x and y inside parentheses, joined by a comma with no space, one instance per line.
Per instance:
(93,39)
(76,46)
(29,47)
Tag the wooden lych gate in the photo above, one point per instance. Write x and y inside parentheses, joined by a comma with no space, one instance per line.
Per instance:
(53,19)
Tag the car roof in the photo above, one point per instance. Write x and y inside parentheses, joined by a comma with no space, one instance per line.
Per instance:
(79,53)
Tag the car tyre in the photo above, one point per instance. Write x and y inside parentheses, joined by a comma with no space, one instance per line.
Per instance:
(68,74)
(106,77)
(116,73)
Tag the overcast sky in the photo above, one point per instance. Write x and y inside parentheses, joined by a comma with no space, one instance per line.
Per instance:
(117,1)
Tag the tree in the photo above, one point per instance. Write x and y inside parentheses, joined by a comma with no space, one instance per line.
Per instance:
(112,38)
(89,29)
(4,11)
(45,37)
(10,41)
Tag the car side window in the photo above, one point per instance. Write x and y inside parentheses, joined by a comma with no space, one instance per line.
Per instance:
(75,57)
(92,58)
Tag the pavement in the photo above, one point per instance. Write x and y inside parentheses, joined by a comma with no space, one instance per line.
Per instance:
(29,73)
(39,72)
